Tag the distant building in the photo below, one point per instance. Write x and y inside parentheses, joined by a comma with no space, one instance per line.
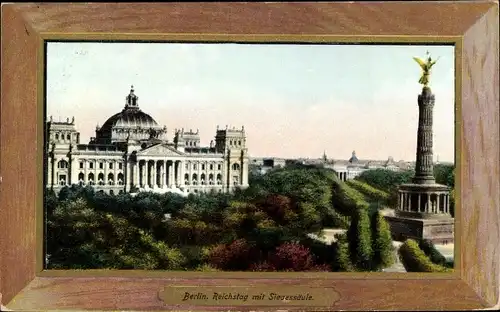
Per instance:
(132,152)
(261,165)
(350,169)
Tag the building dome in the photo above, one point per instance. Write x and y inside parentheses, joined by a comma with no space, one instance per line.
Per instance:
(130,119)
(353,158)
(130,123)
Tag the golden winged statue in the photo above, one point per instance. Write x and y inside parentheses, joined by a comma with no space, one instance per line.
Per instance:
(426,69)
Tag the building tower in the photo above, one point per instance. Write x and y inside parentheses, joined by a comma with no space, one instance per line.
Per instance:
(424,207)
(232,143)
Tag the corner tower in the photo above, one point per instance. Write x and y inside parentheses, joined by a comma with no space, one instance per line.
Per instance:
(231,142)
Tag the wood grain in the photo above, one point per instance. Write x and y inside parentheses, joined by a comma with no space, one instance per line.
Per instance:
(18,165)
(478,219)
(480,195)
(388,18)
(142,294)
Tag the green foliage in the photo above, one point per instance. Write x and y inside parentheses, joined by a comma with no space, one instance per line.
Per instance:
(430,250)
(383,250)
(415,260)
(347,199)
(445,174)
(240,231)
(369,191)
(343,259)
(360,240)
(386,180)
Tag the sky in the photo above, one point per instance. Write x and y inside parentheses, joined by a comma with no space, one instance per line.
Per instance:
(293,100)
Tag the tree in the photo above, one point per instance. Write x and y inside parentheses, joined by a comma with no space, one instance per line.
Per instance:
(386,180)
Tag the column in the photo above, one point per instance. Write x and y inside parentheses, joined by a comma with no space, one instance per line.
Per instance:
(155,174)
(244,173)
(115,172)
(85,177)
(177,167)
(446,203)
(162,175)
(170,174)
(190,173)
(199,173)
(437,203)
(128,175)
(150,174)
(419,203)
(144,173)
(95,171)
(105,165)
(49,170)
(136,174)
(409,201)
(182,166)
(429,204)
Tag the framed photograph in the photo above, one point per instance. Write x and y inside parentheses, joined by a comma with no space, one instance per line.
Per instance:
(323,156)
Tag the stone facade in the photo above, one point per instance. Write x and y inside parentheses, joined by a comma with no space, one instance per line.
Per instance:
(132,152)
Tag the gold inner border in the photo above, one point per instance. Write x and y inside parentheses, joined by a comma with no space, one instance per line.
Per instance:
(456,41)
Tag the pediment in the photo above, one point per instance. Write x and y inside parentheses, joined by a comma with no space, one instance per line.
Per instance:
(159,150)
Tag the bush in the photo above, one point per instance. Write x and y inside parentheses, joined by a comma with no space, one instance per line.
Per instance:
(415,260)
(430,250)
(360,240)
(343,261)
(291,257)
(383,250)
(237,256)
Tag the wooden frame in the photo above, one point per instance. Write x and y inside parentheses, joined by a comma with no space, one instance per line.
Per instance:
(472,26)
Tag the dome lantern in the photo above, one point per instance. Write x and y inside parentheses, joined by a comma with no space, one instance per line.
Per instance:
(132,100)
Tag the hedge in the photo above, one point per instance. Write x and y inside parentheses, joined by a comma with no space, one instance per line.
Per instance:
(415,260)
(368,190)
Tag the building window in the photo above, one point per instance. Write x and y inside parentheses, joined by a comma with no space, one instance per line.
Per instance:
(211,167)
(91,165)
(236,167)
(187,166)
(62,164)
(235,180)
(100,179)
(110,165)
(120,166)
(239,143)
(57,136)
(101,165)
(68,137)
(203,167)
(81,165)
(219,166)
(194,166)
(91,179)
(62,179)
